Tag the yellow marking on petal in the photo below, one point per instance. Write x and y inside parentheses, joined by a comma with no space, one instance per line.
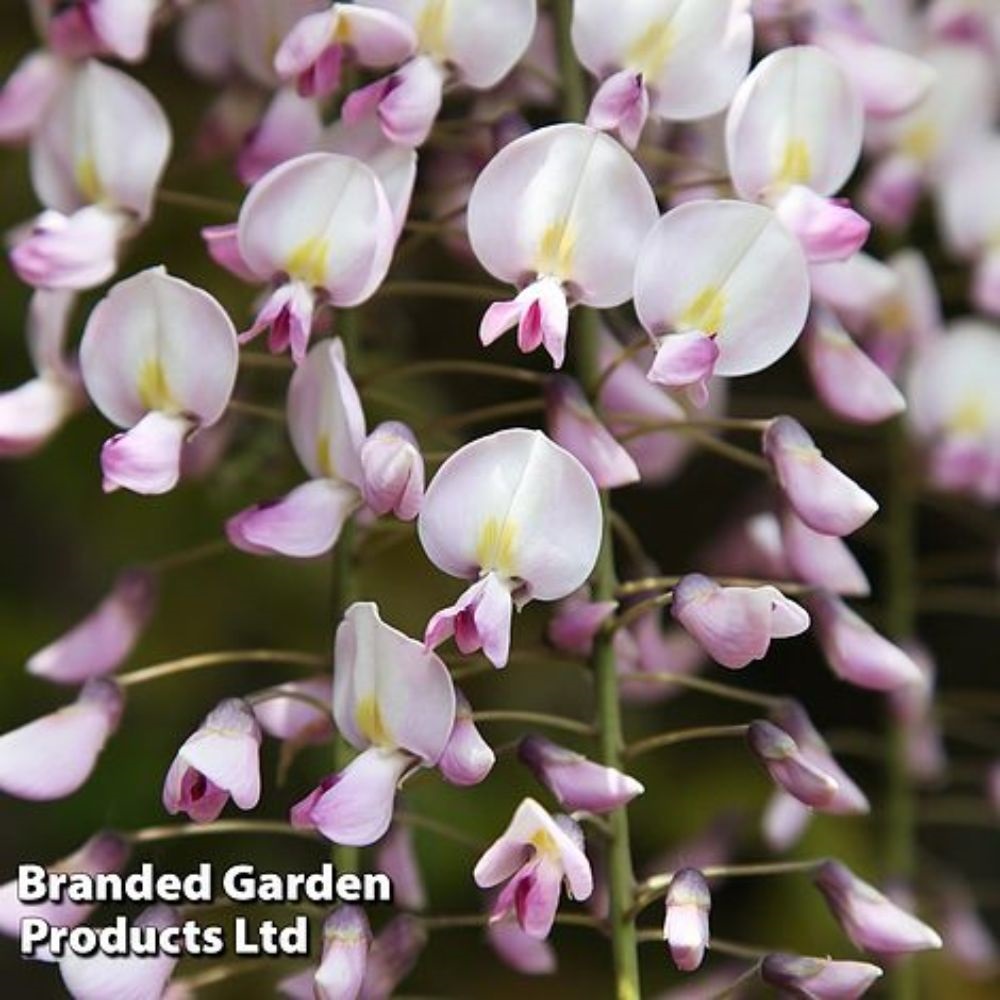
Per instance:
(323,460)
(920,141)
(153,388)
(341,31)
(432,27)
(893,316)
(649,52)
(971,417)
(544,843)
(796,164)
(495,548)
(368,718)
(556,249)
(706,312)
(87,179)
(307,262)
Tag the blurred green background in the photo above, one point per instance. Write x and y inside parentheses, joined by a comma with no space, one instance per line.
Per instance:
(63,541)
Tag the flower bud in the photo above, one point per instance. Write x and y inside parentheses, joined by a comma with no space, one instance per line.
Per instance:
(870,919)
(292,719)
(576,782)
(346,940)
(857,653)
(103,640)
(520,951)
(576,622)
(685,928)
(826,499)
(821,560)
(573,424)
(787,765)
(393,954)
(818,978)
(467,758)
(218,761)
(735,625)
(393,471)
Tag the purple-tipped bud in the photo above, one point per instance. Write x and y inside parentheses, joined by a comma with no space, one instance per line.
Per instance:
(219,761)
(53,756)
(576,782)
(520,951)
(393,471)
(871,920)
(735,625)
(346,941)
(788,766)
(685,928)
(857,653)
(818,978)
(467,758)
(292,718)
(827,500)
(392,957)
(104,852)
(573,424)
(396,856)
(103,640)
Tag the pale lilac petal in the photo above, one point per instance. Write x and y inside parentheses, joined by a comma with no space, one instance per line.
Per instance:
(856,652)
(303,524)
(872,921)
(288,315)
(467,758)
(891,191)
(686,361)
(788,766)
(222,244)
(396,855)
(823,496)
(520,951)
(479,619)
(394,954)
(32,413)
(27,93)
(147,458)
(347,938)
(290,127)
(827,228)
(541,314)
(784,821)
(355,808)
(685,927)
(292,719)
(103,640)
(822,560)
(53,756)
(77,251)
(104,852)
(388,690)
(819,978)
(621,105)
(130,977)
(576,622)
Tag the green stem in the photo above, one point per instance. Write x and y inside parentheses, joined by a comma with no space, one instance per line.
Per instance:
(536,719)
(670,739)
(224,827)
(729,692)
(345,859)
(201,661)
(900,613)
(448,366)
(444,290)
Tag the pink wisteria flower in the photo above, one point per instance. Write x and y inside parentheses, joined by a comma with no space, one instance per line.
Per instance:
(561,214)
(327,428)
(461,41)
(872,921)
(316,50)
(819,978)
(520,951)
(735,625)
(793,137)
(320,227)
(347,937)
(32,413)
(81,28)
(159,358)
(104,852)
(103,640)
(394,701)
(534,855)
(737,299)
(521,517)
(576,782)
(96,161)
(676,61)
(218,762)
(53,756)
(788,767)
(393,470)
(685,925)
(467,757)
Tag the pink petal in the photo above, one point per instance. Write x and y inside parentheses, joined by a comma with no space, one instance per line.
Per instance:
(685,361)
(290,127)
(621,105)
(467,758)
(26,94)
(303,524)
(827,229)
(480,619)
(394,471)
(222,244)
(147,458)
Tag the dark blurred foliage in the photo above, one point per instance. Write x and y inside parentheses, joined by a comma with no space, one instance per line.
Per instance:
(63,541)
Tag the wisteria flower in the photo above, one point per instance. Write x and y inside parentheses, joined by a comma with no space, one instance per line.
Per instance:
(534,855)
(394,701)
(685,925)
(521,517)
(158,357)
(819,978)
(675,60)
(561,214)
(737,297)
